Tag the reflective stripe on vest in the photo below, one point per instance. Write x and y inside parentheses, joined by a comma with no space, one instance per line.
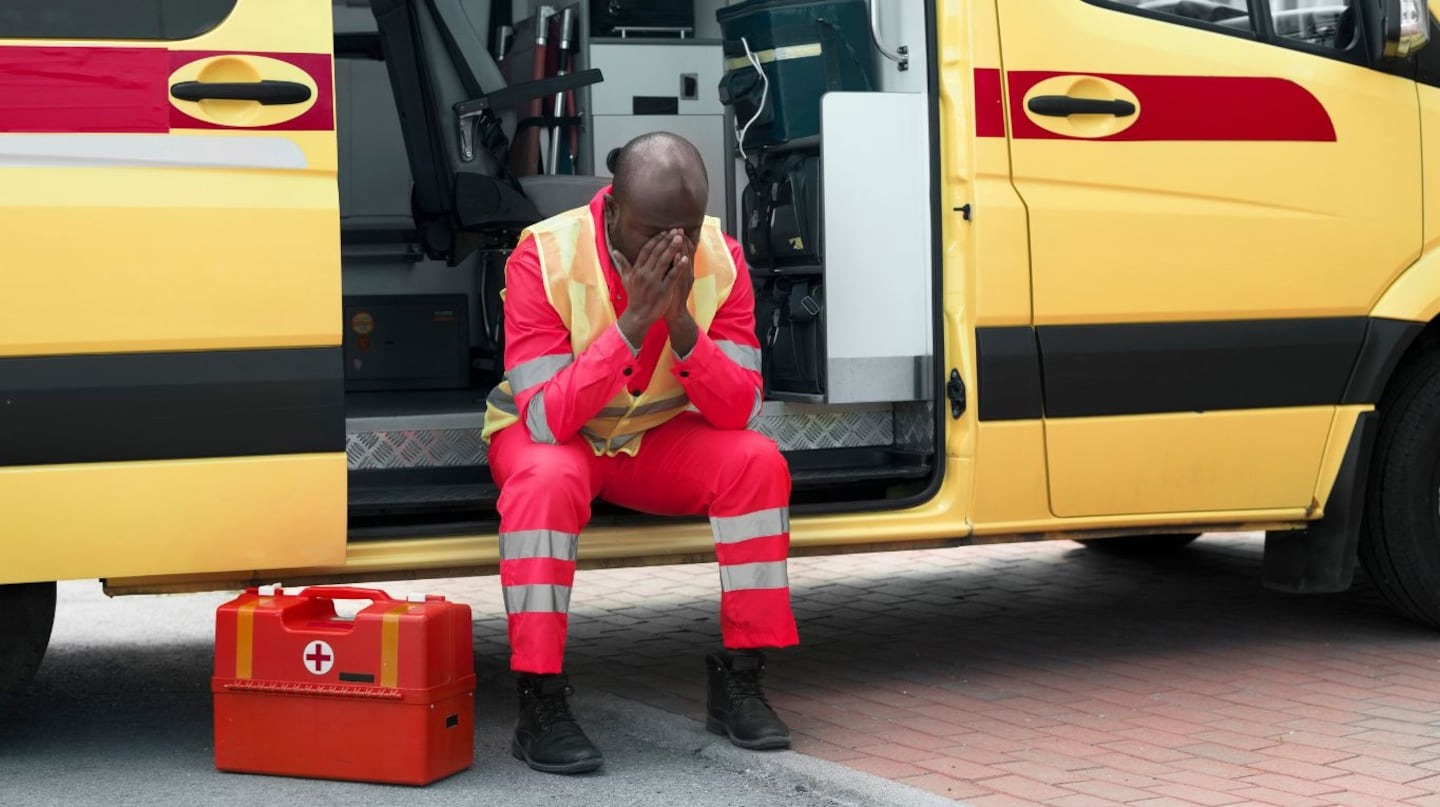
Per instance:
(576,287)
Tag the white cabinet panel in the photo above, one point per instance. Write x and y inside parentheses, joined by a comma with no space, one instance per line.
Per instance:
(707,132)
(650,69)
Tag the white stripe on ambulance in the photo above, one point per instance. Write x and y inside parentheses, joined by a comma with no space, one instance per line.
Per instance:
(148,150)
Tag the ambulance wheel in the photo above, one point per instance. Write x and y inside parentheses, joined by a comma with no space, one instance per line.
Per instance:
(1134,545)
(1400,546)
(27,611)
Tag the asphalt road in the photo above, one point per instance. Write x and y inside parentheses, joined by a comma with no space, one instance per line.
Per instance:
(120,714)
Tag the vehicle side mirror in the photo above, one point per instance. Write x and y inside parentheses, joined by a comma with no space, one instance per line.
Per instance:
(1405,27)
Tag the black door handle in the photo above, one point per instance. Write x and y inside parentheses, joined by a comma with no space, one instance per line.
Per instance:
(268,93)
(1061,106)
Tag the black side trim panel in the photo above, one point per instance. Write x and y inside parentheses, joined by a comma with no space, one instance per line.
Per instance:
(1008,373)
(1386,341)
(1321,558)
(163,406)
(1131,369)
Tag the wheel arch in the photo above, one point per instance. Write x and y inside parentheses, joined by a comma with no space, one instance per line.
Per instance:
(1423,339)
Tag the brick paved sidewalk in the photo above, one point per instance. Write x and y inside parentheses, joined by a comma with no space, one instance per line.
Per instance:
(1047,673)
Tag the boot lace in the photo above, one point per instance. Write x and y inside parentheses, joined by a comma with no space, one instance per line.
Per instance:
(743,686)
(554,709)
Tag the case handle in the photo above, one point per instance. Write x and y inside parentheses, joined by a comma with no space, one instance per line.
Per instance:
(347,593)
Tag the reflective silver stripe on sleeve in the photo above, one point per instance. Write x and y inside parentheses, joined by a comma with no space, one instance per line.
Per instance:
(678,402)
(743,355)
(747,576)
(760,524)
(538,599)
(497,399)
(538,544)
(755,409)
(537,371)
(536,422)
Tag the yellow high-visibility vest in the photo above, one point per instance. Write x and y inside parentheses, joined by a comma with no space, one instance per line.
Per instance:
(576,286)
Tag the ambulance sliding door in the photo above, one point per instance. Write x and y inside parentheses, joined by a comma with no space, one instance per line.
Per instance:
(170,376)
(1201,261)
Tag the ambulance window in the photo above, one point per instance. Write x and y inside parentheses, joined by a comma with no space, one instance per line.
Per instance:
(1328,24)
(1229,15)
(110,19)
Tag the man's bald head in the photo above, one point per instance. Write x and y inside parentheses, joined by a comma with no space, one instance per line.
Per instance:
(659,163)
(660,184)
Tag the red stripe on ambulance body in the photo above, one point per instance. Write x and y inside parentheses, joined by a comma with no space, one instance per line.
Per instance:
(1196,108)
(50,89)
(125,90)
(989,103)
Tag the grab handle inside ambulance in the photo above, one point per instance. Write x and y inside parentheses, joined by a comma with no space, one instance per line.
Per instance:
(347,593)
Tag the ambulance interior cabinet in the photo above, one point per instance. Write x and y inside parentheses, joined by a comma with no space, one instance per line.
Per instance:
(661,85)
(878,270)
(848,322)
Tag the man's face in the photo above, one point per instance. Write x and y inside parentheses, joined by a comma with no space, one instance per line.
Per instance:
(631,225)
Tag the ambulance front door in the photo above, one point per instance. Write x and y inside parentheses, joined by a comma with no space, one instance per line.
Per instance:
(171,386)
(1217,193)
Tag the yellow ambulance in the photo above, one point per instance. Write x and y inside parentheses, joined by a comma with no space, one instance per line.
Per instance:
(1120,271)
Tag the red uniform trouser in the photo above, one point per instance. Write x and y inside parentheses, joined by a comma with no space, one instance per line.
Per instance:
(684,467)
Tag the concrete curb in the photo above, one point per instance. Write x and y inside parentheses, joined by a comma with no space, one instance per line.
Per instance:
(845,786)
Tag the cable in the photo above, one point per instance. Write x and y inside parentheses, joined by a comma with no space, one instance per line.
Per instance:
(764,94)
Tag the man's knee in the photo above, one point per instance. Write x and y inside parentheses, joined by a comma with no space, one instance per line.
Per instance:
(755,457)
(550,471)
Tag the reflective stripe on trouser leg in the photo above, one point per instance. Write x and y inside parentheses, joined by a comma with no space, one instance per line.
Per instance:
(545,495)
(754,585)
(537,570)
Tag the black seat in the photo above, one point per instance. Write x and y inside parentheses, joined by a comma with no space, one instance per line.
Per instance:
(457,115)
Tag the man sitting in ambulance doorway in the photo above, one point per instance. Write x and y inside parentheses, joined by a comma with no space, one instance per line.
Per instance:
(632,372)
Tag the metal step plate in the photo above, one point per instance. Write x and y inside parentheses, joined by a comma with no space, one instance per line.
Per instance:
(452,439)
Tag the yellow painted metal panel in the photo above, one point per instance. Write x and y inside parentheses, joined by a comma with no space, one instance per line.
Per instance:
(987,257)
(1002,249)
(1010,481)
(939,520)
(143,259)
(1248,460)
(1416,295)
(1195,229)
(1340,431)
(177,517)
(180,241)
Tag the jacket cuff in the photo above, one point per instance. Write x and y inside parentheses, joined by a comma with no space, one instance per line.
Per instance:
(617,354)
(699,357)
(634,351)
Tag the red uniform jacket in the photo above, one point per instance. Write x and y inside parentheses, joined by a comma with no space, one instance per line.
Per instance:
(725,393)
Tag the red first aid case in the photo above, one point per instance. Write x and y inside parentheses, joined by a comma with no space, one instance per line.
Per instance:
(386,697)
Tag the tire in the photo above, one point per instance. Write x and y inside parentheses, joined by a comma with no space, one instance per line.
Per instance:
(1400,545)
(27,612)
(1137,545)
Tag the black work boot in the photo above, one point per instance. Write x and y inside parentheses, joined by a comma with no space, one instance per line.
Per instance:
(735,704)
(547,737)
